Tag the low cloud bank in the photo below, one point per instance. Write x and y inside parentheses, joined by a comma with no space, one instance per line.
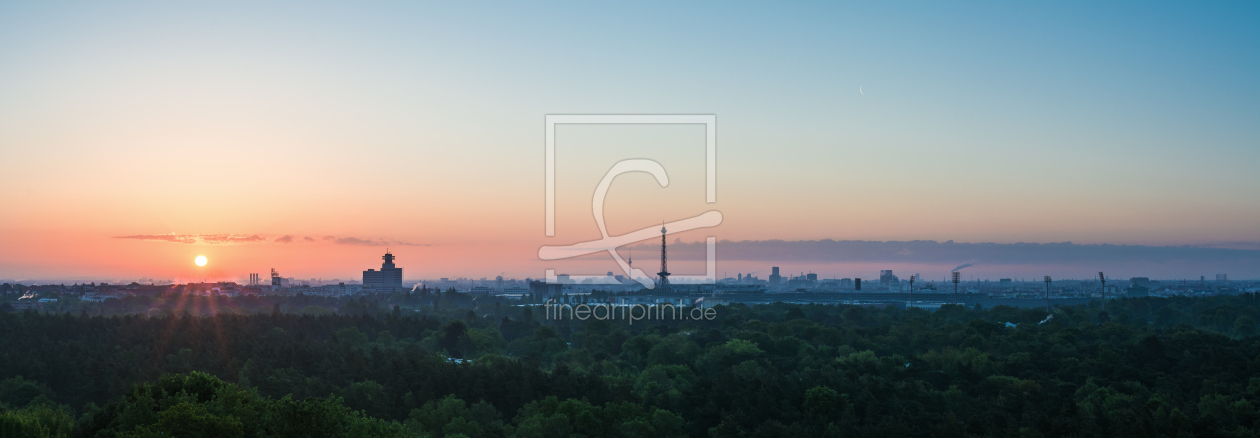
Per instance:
(929,251)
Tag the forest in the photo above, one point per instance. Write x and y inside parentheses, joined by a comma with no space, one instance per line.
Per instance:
(441,364)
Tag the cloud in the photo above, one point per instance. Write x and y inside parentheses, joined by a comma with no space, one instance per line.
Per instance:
(374,242)
(930,251)
(173,238)
(230,239)
(240,239)
(1232,245)
(204,239)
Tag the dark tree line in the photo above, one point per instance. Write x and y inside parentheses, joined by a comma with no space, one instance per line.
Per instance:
(443,364)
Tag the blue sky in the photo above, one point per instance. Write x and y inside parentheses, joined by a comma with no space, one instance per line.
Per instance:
(1122,123)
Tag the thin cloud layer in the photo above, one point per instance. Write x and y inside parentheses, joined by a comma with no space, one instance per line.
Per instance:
(374,242)
(241,239)
(930,251)
(203,239)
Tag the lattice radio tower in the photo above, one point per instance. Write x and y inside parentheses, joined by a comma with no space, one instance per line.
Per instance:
(664,274)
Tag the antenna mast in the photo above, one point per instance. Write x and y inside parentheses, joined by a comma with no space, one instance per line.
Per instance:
(664,274)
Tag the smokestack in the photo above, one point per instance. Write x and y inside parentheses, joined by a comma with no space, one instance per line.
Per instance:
(1103,279)
(964,265)
(1047,294)
(956,286)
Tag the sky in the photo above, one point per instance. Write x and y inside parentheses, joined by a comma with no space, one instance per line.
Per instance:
(419,128)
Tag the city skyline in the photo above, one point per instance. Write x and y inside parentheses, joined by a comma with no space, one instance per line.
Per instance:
(827,259)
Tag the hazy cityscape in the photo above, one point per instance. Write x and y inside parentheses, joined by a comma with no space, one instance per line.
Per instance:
(888,289)
(629,219)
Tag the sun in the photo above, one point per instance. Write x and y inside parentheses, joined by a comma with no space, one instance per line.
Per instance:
(201,260)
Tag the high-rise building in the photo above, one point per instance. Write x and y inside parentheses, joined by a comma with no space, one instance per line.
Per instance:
(1221,278)
(886,278)
(775,279)
(389,277)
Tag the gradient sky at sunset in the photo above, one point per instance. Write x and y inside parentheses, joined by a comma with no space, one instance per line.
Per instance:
(419,127)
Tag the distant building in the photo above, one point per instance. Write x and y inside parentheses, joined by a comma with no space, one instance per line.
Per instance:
(389,277)
(542,288)
(1140,281)
(96,298)
(775,279)
(1221,278)
(800,283)
(846,283)
(811,277)
(1138,291)
(887,279)
(1004,283)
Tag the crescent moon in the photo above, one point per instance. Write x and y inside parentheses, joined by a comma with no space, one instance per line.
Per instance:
(860,89)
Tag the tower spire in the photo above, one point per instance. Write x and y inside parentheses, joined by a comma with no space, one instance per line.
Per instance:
(664,274)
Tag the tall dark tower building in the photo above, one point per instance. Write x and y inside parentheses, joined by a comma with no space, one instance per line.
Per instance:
(663,284)
(389,277)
